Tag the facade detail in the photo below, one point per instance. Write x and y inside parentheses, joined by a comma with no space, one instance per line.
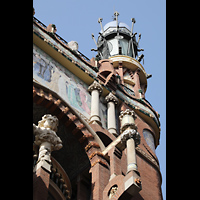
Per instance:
(95,90)
(94,133)
(47,140)
(111,121)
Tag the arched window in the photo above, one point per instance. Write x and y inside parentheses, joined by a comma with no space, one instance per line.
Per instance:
(148,136)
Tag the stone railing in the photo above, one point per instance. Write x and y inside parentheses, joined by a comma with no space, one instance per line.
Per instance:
(60,178)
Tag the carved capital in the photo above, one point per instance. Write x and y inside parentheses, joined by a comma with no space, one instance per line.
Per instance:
(45,132)
(111,97)
(127,118)
(127,112)
(95,86)
(131,133)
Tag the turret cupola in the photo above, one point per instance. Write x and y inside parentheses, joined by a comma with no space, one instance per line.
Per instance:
(116,38)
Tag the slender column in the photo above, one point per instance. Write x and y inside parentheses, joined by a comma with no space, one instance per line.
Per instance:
(111,121)
(96,89)
(131,137)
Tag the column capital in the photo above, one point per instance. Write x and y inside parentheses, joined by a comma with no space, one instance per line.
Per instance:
(131,133)
(111,98)
(95,86)
(46,132)
(127,112)
(127,118)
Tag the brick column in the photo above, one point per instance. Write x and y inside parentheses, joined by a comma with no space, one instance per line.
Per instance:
(100,175)
(115,162)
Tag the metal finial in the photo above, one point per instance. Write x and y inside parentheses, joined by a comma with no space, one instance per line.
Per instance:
(116,15)
(99,21)
(139,37)
(133,22)
(94,39)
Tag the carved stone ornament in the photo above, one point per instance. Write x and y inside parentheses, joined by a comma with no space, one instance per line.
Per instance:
(45,132)
(111,97)
(95,86)
(127,120)
(112,192)
(127,112)
(131,133)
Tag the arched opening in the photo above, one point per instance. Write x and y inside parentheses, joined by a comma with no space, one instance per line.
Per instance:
(75,136)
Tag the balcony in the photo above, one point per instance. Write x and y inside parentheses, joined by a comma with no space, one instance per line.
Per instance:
(59,185)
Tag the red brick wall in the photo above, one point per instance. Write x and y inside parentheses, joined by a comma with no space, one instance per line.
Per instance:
(40,184)
(151,183)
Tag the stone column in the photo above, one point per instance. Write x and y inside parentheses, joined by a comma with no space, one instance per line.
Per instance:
(131,137)
(96,89)
(47,140)
(111,121)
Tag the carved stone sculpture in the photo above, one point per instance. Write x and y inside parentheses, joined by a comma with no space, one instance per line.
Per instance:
(131,133)
(112,192)
(46,132)
(47,140)
(127,118)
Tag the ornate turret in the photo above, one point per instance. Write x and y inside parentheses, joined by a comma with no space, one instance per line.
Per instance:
(116,38)
(118,60)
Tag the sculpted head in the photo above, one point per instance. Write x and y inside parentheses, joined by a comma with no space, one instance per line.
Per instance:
(49,121)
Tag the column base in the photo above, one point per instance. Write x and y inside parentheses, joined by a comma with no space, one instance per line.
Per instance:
(131,185)
(132,167)
(95,119)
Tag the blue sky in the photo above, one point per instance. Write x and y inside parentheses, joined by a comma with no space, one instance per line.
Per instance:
(77,19)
